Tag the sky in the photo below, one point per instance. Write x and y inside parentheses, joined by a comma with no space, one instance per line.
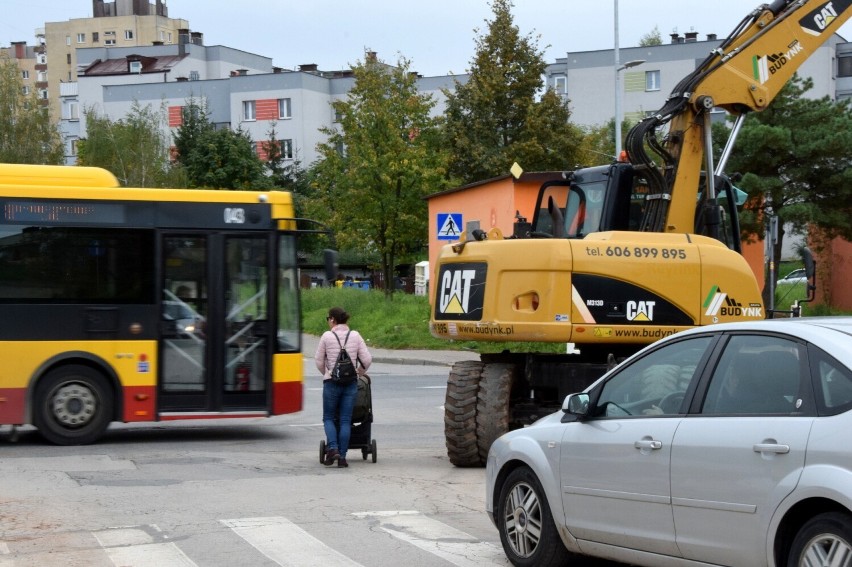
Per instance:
(436,36)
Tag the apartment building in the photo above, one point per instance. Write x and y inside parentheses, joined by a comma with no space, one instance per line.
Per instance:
(122,23)
(31,62)
(240,90)
(587,78)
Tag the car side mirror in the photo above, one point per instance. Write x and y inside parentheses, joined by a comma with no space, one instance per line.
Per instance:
(575,406)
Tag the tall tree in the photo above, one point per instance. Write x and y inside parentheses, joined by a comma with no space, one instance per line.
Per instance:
(797,163)
(494,119)
(378,165)
(218,159)
(27,135)
(134,148)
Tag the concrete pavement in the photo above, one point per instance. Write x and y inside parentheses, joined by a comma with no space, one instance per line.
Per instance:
(394,356)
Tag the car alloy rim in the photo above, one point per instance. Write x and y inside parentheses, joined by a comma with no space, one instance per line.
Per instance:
(826,550)
(74,405)
(523,519)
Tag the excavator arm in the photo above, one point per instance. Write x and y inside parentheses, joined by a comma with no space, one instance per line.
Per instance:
(744,74)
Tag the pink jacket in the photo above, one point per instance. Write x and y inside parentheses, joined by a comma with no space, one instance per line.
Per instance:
(328,349)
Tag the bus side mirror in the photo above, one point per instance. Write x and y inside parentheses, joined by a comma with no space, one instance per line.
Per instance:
(331,265)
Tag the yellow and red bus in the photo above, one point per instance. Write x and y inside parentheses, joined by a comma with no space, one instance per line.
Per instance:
(121,304)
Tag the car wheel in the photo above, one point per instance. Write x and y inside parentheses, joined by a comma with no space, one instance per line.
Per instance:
(825,539)
(527,531)
(492,406)
(460,413)
(73,405)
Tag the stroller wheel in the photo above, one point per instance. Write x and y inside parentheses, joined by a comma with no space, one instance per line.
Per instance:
(364,453)
(373,450)
(322,452)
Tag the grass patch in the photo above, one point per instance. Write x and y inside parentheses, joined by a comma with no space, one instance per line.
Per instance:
(399,323)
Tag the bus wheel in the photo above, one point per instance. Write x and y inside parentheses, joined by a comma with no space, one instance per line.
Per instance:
(73,405)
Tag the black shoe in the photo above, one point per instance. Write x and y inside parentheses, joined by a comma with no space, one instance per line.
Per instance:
(341,463)
(330,456)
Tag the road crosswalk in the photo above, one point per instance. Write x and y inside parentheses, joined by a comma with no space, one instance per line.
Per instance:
(280,540)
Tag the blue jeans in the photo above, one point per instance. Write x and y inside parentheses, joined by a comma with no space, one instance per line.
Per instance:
(337,404)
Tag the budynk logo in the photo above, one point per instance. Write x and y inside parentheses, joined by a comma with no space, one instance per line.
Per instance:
(767,65)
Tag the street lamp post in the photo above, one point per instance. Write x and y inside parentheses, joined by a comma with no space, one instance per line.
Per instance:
(618,69)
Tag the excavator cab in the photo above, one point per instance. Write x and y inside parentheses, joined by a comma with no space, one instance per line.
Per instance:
(613,197)
(587,200)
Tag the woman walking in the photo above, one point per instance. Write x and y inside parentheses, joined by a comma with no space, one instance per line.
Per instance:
(338,401)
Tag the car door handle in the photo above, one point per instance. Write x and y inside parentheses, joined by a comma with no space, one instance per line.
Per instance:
(648,444)
(771,448)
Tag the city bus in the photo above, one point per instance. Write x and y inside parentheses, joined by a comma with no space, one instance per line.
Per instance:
(131,305)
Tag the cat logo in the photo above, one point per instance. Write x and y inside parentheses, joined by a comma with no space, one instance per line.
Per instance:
(642,311)
(460,293)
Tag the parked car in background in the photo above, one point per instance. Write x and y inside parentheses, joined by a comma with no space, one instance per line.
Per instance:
(797,276)
(725,445)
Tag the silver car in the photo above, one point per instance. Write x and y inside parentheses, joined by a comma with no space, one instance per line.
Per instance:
(725,445)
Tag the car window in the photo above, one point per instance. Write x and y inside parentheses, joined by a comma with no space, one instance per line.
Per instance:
(834,383)
(757,374)
(654,384)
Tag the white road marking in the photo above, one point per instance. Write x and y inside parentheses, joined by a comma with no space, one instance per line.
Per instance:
(134,546)
(287,544)
(448,543)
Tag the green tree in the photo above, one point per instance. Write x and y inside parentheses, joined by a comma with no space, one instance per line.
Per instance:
(377,167)
(653,37)
(796,160)
(216,158)
(494,119)
(27,134)
(134,148)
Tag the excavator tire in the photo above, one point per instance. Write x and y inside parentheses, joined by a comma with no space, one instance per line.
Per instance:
(460,413)
(492,407)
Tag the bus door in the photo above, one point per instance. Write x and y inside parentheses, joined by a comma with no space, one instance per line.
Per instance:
(215,328)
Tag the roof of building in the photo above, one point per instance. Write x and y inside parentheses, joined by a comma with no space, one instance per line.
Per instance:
(119,66)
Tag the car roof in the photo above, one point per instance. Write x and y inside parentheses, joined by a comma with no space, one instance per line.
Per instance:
(791,325)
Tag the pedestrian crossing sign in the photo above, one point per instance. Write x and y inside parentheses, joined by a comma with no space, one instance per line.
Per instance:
(449,226)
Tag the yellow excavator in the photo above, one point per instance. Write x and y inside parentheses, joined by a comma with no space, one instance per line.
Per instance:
(621,255)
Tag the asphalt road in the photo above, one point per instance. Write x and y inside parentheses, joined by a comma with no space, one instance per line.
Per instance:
(251,492)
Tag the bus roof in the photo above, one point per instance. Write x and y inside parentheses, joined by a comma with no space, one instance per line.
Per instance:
(95,183)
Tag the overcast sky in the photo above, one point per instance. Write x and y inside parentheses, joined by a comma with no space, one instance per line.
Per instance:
(437,36)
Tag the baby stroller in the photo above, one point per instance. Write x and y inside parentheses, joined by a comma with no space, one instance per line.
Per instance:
(362,418)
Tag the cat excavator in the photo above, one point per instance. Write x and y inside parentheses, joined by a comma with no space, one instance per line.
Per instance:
(618,256)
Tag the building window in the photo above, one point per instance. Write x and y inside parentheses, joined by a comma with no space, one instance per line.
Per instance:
(286,149)
(95,37)
(81,38)
(41,59)
(170,37)
(72,111)
(73,147)
(109,42)
(249,109)
(128,34)
(255,148)
(284,110)
(194,76)
(68,58)
(42,94)
(26,90)
(25,75)
(67,40)
(561,85)
(162,35)
(652,80)
(844,66)
(136,67)
(42,76)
